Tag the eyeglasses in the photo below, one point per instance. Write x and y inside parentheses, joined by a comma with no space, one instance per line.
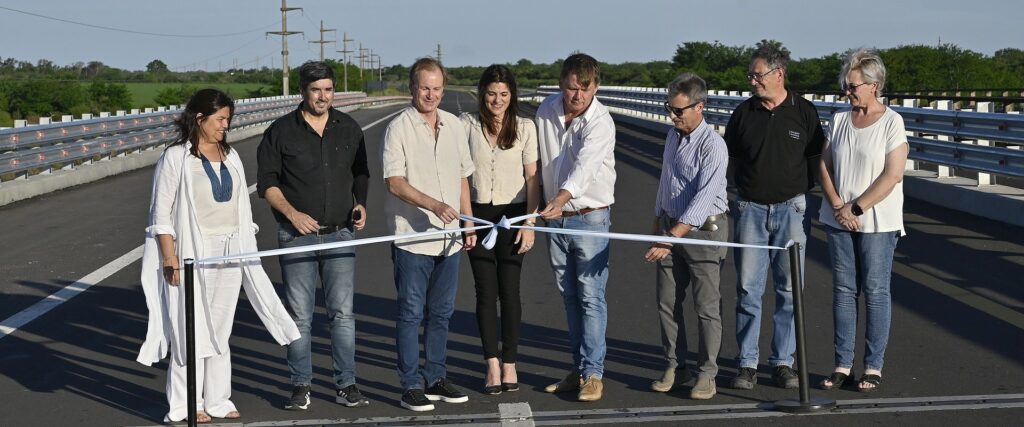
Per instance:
(851,88)
(679,111)
(759,76)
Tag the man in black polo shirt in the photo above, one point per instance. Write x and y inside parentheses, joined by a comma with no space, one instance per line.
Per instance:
(312,171)
(772,138)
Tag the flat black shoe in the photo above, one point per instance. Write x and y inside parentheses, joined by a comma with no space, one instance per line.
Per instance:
(492,389)
(510,386)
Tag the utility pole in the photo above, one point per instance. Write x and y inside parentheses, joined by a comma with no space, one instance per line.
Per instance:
(377,61)
(344,53)
(439,53)
(362,60)
(322,42)
(284,33)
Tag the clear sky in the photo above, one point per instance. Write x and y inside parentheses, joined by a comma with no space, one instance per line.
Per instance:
(481,32)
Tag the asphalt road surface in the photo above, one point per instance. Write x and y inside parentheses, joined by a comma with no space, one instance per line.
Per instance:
(954,357)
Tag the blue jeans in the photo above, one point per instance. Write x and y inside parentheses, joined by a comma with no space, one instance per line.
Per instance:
(423,282)
(861,263)
(302,272)
(773,224)
(581,271)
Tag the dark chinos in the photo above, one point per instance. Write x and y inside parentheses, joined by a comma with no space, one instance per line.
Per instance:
(496,273)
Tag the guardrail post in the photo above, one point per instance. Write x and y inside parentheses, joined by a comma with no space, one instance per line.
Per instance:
(944,171)
(86,116)
(20,123)
(911,103)
(67,118)
(136,111)
(984,178)
(44,120)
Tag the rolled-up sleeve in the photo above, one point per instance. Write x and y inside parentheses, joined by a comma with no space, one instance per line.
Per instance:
(392,156)
(165,190)
(268,163)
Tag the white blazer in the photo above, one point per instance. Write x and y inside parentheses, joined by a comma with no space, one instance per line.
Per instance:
(172,190)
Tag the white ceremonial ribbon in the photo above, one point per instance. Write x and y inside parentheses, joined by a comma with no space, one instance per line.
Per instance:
(489,240)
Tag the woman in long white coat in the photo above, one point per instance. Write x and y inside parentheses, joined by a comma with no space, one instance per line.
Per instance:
(200,208)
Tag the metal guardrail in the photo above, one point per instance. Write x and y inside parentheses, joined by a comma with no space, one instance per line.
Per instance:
(43,148)
(955,125)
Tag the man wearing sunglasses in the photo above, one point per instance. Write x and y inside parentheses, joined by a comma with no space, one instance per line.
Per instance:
(691,202)
(772,137)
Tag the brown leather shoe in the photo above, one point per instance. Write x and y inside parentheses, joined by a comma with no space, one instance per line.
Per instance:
(591,389)
(571,382)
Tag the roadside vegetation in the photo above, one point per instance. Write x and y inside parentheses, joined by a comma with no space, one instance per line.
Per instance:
(45,89)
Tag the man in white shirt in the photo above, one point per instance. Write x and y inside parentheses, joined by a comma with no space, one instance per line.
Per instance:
(576,137)
(426,163)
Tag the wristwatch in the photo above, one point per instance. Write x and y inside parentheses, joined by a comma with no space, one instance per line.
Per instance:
(855,209)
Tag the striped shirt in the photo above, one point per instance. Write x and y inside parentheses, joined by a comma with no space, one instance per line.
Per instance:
(692,185)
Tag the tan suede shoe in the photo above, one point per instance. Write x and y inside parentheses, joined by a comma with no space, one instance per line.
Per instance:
(591,389)
(571,382)
(704,389)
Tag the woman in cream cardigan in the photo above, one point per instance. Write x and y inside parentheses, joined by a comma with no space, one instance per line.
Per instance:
(200,208)
(504,149)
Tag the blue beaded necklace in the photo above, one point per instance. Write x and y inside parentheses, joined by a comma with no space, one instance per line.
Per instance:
(221,187)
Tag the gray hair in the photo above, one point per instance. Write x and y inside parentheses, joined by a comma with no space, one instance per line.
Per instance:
(773,56)
(691,85)
(868,62)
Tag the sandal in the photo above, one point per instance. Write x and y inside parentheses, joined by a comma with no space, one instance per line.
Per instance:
(203,418)
(837,381)
(875,380)
(233,415)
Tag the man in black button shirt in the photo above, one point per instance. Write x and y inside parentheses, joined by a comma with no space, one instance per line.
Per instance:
(312,171)
(772,139)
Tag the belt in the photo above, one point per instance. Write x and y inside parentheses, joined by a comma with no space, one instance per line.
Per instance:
(324,229)
(583,211)
(328,229)
(709,223)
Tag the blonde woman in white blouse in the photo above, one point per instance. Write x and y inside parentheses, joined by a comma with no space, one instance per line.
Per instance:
(862,180)
(504,149)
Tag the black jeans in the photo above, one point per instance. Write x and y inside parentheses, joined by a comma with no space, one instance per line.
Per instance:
(496,273)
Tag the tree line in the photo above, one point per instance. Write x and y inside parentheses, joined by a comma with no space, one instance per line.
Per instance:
(31,90)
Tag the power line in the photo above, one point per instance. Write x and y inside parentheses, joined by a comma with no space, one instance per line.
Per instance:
(193,36)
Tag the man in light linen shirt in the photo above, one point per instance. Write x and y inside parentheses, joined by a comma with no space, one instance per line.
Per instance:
(576,137)
(426,164)
(691,203)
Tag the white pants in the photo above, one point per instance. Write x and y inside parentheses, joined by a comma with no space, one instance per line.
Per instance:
(213,374)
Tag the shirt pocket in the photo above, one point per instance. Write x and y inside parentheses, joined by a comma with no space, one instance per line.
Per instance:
(298,157)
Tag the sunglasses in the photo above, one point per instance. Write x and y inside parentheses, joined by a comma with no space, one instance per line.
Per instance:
(679,111)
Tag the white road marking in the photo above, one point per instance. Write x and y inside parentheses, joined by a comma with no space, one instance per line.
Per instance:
(11,324)
(23,317)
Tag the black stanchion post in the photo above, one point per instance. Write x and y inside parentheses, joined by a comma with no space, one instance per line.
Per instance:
(805,404)
(190,340)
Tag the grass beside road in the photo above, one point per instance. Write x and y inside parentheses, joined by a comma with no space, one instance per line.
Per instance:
(143,93)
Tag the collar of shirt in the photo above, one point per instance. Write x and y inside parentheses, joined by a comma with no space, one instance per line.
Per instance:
(333,116)
(581,120)
(790,101)
(416,117)
(696,134)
